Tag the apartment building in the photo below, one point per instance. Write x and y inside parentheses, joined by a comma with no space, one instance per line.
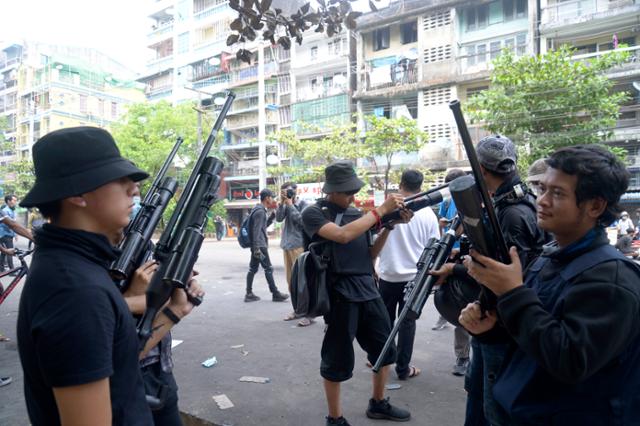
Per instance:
(52,87)
(10,60)
(595,27)
(415,56)
(323,80)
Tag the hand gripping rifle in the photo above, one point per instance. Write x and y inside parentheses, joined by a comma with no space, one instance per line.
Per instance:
(417,291)
(417,202)
(134,247)
(475,207)
(178,247)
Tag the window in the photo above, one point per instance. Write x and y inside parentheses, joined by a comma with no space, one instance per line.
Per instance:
(409,32)
(477,17)
(314,53)
(471,55)
(335,47)
(494,49)
(381,39)
(481,50)
(183,43)
(83,104)
(521,44)
(514,9)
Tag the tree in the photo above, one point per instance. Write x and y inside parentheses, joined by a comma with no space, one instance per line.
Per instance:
(280,28)
(147,132)
(548,101)
(387,137)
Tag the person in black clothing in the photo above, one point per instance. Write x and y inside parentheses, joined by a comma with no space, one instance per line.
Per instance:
(260,249)
(575,317)
(357,310)
(76,337)
(624,244)
(516,212)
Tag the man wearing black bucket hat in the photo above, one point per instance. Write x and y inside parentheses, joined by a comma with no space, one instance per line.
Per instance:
(516,211)
(76,337)
(356,307)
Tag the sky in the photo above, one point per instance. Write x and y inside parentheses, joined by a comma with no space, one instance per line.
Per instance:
(115,27)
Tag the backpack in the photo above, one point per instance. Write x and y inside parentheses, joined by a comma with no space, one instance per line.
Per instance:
(310,281)
(244,233)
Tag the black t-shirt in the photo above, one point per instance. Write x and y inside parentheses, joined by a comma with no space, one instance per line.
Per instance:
(74,327)
(354,288)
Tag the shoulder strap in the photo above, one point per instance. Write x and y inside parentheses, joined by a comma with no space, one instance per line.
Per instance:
(338,219)
(604,253)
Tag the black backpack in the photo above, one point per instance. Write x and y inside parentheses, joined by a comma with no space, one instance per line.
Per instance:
(310,280)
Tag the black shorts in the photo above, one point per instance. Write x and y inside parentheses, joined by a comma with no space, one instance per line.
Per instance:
(368,322)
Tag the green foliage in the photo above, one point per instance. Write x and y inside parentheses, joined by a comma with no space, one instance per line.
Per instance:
(19,177)
(386,137)
(548,101)
(147,132)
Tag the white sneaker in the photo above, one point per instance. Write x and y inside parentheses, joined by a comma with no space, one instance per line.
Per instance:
(4,381)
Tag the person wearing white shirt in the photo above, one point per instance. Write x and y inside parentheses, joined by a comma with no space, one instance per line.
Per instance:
(397,266)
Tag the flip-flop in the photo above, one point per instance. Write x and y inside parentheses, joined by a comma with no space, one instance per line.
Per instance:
(291,316)
(4,339)
(413,372)
(304,322)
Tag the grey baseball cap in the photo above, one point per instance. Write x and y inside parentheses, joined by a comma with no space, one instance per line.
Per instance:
(497,154)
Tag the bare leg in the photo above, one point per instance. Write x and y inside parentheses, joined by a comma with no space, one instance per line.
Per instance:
(379,380)
(332,393)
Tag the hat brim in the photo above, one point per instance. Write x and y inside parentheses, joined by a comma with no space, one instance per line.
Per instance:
(353,184)
(49,190)
(535,178)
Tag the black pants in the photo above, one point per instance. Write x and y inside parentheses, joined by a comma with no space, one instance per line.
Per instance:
(268,270)
(169,414)
(7,242)
(393,298)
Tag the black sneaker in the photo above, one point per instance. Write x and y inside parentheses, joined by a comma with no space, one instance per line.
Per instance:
(384,410)
(460,368)
(279,297)
(339,421)
(250,297)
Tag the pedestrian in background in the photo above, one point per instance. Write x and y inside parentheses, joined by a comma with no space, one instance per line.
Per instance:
(7,235)
(260,249)
(291,241)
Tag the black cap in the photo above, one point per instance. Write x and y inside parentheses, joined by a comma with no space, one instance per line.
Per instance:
(74,161)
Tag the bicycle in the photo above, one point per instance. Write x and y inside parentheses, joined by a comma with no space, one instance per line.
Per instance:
(17,272)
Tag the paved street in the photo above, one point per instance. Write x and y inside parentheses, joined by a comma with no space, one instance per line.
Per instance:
(273,348)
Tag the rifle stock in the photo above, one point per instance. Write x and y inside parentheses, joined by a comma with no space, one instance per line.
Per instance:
(434,255)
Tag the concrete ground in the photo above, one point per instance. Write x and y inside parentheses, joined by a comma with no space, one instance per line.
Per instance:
(288,355)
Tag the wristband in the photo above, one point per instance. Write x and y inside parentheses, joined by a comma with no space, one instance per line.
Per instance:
(378,218)
(171,315)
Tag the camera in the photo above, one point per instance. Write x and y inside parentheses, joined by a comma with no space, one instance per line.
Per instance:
(291,193)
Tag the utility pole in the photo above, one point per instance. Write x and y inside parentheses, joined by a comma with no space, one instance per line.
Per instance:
(262,123)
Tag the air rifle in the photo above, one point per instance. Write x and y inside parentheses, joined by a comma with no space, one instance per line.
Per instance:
(134,247)
(417,202)
(417,291)
(177,249)
(475,207)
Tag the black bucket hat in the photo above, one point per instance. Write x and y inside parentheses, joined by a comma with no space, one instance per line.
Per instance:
(340,176)
(73,161)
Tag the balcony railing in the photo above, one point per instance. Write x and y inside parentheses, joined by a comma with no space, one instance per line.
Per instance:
(164,28)
(396,74)
(218,6)
(9,62)
(567,10)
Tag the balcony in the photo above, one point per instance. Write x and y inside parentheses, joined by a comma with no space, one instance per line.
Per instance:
(247,74)
(391,75)
(221,80)
(631,67)
(575,11)
(9,62)
(214,8)
(162,31)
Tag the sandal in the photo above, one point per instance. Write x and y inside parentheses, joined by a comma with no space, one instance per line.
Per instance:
(4,338)
(305,322)
(291,316)
(413,372)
